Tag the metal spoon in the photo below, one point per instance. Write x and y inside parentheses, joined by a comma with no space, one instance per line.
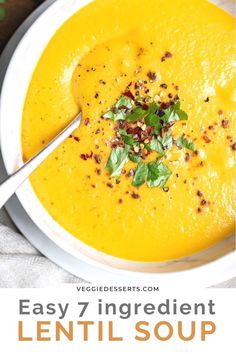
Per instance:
(13,182)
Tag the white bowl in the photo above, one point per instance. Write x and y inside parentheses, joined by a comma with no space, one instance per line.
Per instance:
(214,264)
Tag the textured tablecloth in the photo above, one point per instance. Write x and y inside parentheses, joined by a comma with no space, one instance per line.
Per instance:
(21,265)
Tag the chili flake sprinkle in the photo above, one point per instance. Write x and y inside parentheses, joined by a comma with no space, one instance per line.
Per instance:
(135,195)
(167,55)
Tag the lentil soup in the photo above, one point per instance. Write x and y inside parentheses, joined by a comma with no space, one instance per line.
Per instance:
(150,173)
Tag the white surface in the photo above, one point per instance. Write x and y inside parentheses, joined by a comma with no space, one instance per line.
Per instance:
(73,264)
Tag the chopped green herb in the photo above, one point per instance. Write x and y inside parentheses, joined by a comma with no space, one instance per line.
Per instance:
(153,120)
(124,102)
(136,114)
(174,113)
(167,141)
(119,110)
(183,142)
(119,115)
(156,145)
(153,107)
(134,158)
(157,130)
(127,138)
(141,174)
(161,144)
(117,160)
(158,174)
(142,140)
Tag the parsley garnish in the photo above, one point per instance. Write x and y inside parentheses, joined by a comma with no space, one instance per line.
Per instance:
(134,158)
(145,129)
(174,113)
(141,174)
(120,109)
(136,114)
(158,174)
(117,160)
(127,138)
(160,144)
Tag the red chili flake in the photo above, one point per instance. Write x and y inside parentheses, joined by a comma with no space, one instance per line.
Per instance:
(117,181)
(86,156)
(152,76)
(166,56)
(195,153)
(164,86)
(211,127)
(207,99)
(199,193)
(203,202)
(199,210)
(176,98)
(224,123)
(96,95)
(120,201)
(130,173)
(98,171)
(93,186)
(76,138)
(70,136)
(98,131)
(165,105)
(234,146)
(98,158)
(102,82)
(86,121)
(170,95)
(135,195)
(145,107)
(162,133)
(166,189)
(187,157)
(129,95)
(206,139)
(83,157)
(140,52)
(110,185)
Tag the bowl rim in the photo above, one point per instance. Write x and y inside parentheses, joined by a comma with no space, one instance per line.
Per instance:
(54,6)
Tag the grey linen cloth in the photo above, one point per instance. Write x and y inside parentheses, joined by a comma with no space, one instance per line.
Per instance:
(21,265)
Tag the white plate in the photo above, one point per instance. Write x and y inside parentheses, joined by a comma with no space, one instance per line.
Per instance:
(36,224)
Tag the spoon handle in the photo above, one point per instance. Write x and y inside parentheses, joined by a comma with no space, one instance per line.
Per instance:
(11,184)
